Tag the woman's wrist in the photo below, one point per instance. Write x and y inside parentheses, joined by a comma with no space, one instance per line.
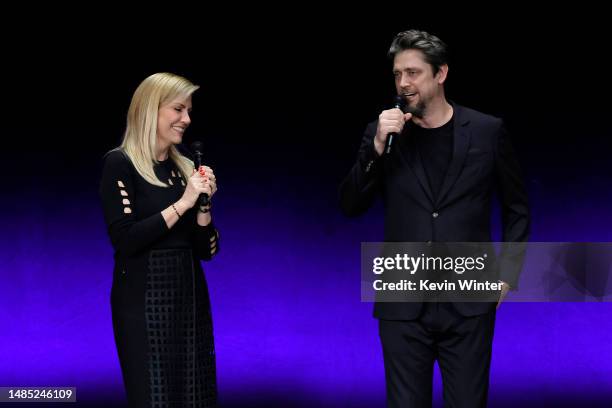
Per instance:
(182,206)
(205,208)
(204,217)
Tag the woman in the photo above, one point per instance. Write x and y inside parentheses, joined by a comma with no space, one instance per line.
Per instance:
(159,298)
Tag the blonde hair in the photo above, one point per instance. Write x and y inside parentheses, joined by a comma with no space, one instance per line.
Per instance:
(140,137)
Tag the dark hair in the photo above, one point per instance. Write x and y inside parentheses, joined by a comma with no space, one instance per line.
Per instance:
(434,50)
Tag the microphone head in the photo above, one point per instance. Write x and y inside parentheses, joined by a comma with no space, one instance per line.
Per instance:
(400,101)
(196,146)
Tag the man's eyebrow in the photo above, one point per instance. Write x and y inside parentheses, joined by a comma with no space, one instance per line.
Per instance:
(407,69)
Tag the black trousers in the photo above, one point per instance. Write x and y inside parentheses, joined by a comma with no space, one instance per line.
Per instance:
(461,345)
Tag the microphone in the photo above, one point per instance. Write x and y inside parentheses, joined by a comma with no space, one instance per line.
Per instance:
(400,102)
(196,147)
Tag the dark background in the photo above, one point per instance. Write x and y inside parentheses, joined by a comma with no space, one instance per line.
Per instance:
(285,95)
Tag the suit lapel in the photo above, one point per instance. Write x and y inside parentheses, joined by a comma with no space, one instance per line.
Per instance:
(461,143)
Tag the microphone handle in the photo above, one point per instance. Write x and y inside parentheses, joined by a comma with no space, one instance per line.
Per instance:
(389,142)
(391,136)
(203,199)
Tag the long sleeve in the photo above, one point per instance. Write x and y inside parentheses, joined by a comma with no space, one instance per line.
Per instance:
(358,190)
(514,210)
(206,241)
(128,232)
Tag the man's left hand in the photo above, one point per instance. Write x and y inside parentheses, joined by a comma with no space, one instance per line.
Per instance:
(504,292)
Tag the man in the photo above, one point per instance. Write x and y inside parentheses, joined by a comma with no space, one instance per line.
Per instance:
(437,183)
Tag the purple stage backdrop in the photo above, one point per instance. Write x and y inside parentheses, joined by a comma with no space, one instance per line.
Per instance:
(290,329)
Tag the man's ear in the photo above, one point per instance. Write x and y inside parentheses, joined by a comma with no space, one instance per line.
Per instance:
(442,73)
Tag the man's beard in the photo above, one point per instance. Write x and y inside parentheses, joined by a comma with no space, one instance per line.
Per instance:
(417,111)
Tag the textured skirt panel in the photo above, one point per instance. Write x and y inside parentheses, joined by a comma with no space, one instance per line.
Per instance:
(181,355)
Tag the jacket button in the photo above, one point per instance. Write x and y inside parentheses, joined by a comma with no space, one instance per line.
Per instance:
(435,215)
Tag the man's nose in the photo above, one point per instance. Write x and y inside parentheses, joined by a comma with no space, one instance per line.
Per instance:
(404,81)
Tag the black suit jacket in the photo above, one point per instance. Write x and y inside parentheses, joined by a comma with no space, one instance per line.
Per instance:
(483,162)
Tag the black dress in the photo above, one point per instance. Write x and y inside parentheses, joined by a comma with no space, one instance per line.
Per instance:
(159,299)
